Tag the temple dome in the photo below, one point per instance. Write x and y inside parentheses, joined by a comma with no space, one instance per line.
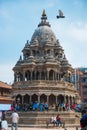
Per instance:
(43,34)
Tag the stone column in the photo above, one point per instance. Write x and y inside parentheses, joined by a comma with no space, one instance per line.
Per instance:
(53,75)
(59,77)
(31,53)
(47,75)
(24,76)
(56,101)
(14,77)
(47,99)
(35,75)
(38,98)
(40,76)
(31,75)
(22,99)
(69,100)
(30,97)
(72,100)
(65,99)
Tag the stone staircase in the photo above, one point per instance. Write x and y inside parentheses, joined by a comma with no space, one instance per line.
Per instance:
(38,119)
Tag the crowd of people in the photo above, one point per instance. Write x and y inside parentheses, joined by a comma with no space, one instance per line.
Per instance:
(30,107)
(55,120)
(43,106)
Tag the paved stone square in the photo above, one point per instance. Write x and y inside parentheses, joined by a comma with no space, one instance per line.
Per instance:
(29,128)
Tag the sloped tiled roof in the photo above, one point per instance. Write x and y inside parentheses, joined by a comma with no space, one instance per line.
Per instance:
(5,85)
(6,100)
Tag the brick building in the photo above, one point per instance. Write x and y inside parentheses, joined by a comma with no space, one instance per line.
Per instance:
(5,91)
(81,82)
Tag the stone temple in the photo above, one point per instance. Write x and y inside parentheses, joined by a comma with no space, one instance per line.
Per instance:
(43,73)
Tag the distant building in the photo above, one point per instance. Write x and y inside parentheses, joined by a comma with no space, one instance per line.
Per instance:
(80,80)
(77,74)
(5,91)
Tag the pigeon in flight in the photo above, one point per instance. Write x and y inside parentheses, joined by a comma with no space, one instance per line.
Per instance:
(60,15)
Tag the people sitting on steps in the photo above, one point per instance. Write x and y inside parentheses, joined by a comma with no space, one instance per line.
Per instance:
(56,120)
(44,106)
(53,120)
(59,120)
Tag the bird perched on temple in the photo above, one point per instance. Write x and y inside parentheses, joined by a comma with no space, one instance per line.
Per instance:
(60,15)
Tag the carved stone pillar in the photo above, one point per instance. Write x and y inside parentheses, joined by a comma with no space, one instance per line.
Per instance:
(58,77)
(14,77)
(47,75)
(31,76)
(47,99)
(35,75)
(65,99)
(38,98)
(31,53)
(40,76)
(30,98)
(53,75)
(69,100)
(24,76)
(56,100)
(22,99)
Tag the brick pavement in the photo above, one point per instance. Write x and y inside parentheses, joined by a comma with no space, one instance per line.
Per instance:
(29,128)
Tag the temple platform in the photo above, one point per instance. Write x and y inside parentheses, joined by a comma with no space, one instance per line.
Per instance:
(39,119)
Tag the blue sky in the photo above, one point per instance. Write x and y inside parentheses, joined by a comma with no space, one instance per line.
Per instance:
(19,19)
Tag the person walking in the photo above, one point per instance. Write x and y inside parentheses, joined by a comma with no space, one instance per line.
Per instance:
(15,119)
(4,124)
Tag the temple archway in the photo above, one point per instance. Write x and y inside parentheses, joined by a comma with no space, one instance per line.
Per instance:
(37,75)
(60,98)
(51,75)
(26,98)
(19,99)
(27,75)
(42,75)
(52,100)
(43,98)
(34,98)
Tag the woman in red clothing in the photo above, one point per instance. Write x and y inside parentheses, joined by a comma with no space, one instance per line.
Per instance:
(58,119)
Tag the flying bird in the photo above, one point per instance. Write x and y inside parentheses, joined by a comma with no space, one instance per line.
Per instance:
(60,15)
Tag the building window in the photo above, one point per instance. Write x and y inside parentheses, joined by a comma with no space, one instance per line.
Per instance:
(84,87)
(85,100)
(85,93)
(84,80)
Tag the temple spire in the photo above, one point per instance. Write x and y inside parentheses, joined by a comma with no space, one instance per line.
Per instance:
(44,20)
(44,15)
